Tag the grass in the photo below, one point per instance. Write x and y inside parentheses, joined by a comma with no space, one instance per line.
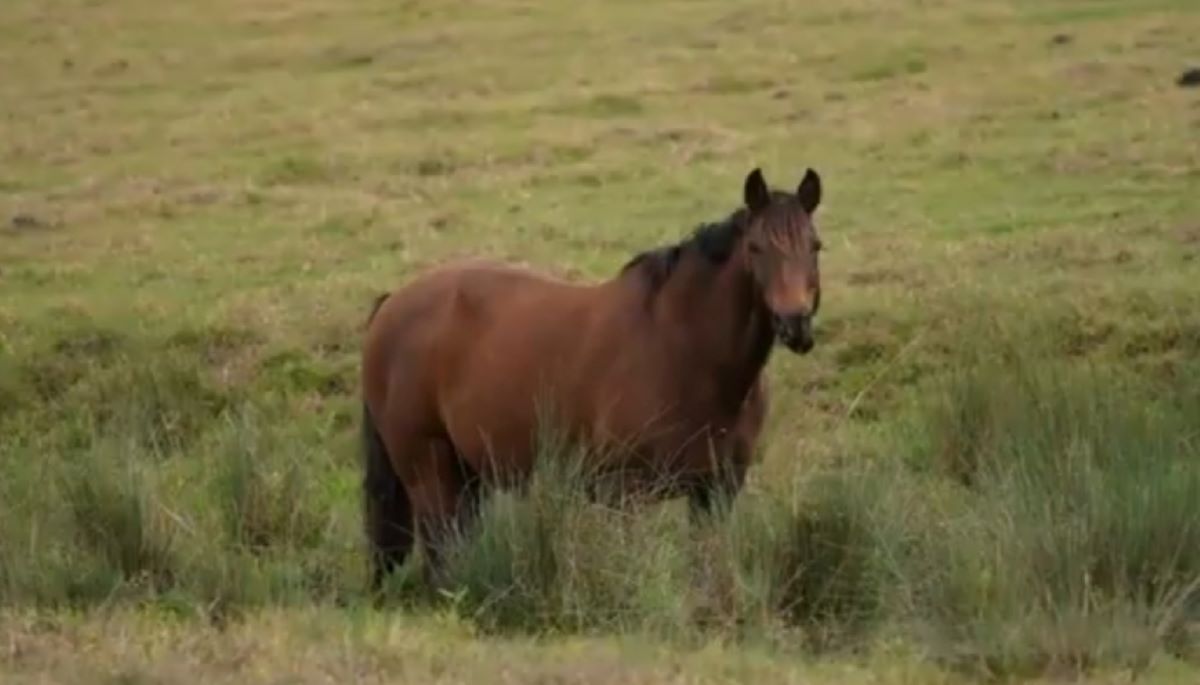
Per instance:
(1073,542)
(985,469)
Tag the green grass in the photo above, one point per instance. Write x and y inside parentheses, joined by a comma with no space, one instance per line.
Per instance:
(987,467)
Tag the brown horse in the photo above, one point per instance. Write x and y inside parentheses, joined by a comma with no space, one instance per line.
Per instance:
(663,361)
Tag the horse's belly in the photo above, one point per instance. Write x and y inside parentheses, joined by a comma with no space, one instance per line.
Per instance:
(672,436)
(498,431)
(502,400)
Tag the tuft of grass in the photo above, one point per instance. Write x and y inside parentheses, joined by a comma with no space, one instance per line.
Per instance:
(603,106)
(296,169)
(263,492)
(808,562)
(563,555)
(169,493)
(118,520)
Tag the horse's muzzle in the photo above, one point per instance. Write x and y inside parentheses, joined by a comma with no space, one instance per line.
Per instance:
(795,332)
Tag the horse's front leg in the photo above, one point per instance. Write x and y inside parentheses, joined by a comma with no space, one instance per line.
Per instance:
(714,494)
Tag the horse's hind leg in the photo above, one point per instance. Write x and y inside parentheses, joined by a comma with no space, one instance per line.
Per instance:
(442,495)
(470,499)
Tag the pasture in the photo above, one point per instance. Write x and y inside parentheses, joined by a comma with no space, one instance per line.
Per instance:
(986,468)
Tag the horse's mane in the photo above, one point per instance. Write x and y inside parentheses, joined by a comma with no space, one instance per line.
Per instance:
(713,241)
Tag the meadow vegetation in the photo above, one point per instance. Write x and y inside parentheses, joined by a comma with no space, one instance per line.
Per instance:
(988,467)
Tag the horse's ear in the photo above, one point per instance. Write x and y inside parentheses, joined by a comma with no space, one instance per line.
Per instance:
(755,192)
(809,191)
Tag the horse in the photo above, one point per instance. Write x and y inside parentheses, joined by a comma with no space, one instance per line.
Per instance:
(664,359)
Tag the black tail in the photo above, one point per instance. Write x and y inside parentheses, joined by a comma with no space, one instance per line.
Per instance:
(386,512)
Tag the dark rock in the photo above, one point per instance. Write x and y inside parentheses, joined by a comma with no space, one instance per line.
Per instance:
(1061,39)
(1190,78)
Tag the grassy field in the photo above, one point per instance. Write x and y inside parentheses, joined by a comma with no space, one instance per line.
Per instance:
(987,468)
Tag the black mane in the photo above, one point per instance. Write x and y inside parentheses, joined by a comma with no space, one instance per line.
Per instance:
(713,241)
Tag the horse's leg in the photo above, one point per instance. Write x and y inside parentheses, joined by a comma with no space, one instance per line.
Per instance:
(435,487)
(716,493)
(729,473)
(470,498)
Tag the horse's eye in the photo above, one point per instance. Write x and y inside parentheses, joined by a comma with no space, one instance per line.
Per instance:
(754,248)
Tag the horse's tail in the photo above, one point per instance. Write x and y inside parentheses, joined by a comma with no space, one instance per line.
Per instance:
(379,300)
(386,512)
(387,516)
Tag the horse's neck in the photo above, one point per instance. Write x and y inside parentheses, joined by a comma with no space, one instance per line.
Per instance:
(722,329)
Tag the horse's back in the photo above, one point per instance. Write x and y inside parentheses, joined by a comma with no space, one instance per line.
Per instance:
(474,282)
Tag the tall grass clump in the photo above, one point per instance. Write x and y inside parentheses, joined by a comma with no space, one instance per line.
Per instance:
(141,480)
(560,555)
(272,532)
(116,515)
(1074,538)
(569,553)
(83,528)
(265,496)
(806,558)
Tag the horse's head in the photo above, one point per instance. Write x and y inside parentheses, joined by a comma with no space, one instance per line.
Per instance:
(779,248)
